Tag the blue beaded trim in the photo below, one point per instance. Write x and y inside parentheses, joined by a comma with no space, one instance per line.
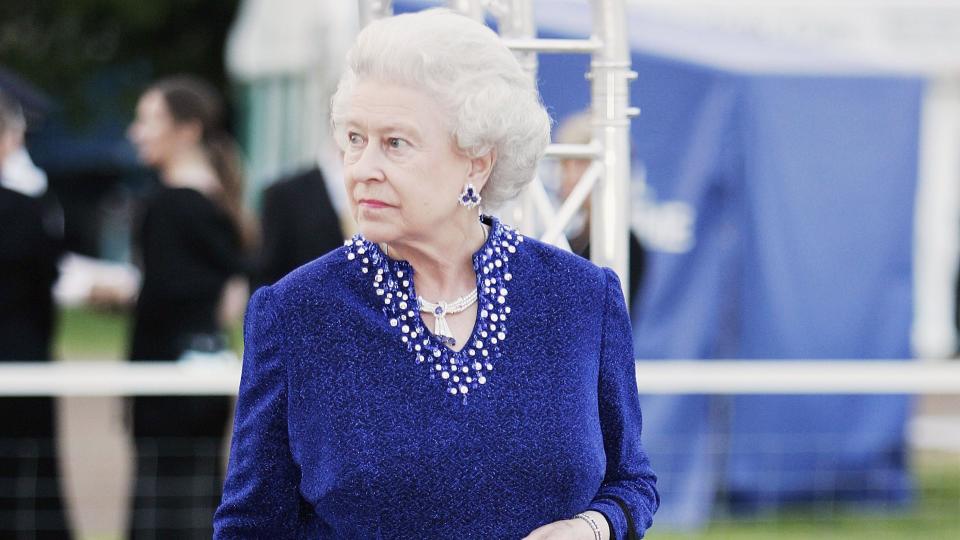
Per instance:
(468,369)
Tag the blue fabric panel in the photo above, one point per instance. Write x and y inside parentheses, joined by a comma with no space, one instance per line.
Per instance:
(790,449)
(829,191)
(830,178)
(679,435)
(684,140)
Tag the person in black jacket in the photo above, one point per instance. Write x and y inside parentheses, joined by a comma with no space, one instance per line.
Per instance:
(299,224)
(31,505)
(191,239)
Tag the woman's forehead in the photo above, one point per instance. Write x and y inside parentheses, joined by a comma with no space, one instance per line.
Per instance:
(153,107)
(386,106)
(152,101)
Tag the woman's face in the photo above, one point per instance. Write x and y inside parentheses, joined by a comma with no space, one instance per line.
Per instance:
(10,140)
(155,133)
(402,170)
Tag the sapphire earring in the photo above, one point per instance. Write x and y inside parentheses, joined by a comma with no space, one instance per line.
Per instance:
(469,197)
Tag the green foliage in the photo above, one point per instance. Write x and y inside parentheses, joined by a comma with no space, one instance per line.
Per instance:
(95,56)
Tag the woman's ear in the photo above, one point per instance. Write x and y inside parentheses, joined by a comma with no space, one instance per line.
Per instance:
(480,169)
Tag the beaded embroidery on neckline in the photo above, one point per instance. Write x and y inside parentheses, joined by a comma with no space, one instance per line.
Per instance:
(467,370)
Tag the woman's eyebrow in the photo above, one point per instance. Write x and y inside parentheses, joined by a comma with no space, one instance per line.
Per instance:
(351,123)
(392,126)
(401,127)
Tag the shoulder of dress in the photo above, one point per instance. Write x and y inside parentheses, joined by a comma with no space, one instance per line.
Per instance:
(550,262)
(327,274)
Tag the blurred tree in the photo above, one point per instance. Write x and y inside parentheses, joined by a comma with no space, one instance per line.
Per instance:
(95,56)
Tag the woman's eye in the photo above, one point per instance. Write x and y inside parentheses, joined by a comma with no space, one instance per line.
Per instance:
(354,138)
(396,142)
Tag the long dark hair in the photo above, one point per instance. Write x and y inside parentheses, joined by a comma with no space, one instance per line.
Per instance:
(191,99)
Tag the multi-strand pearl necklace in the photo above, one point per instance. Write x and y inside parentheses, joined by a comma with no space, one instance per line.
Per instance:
(441,309)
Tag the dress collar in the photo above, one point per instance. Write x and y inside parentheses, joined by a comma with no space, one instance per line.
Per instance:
(392,290)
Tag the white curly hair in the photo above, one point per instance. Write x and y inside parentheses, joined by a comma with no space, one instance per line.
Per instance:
(489,101)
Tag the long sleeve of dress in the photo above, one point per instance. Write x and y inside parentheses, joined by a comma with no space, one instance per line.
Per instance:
(261,497)
(628,473)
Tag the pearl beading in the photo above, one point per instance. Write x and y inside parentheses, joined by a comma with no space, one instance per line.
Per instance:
(468,369)
(440,310)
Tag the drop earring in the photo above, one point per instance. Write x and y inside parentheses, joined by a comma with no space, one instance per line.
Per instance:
(469,197)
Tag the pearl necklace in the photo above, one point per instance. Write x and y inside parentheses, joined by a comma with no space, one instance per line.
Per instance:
(441,309)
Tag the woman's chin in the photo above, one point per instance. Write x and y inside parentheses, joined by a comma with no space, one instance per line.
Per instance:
(148,159)
(376,231)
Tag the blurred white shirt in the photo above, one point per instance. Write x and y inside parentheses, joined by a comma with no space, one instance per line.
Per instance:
(20,174)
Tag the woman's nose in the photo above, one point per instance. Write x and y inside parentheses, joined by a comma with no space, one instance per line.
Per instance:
(368,166)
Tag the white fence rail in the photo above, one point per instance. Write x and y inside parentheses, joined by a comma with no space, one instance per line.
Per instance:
(93,378)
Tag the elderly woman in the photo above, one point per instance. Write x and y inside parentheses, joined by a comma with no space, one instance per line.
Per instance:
(440,376)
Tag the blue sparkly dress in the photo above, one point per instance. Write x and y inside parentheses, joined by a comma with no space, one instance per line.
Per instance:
(354,421)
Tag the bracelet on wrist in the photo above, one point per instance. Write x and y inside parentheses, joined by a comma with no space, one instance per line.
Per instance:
(592,523)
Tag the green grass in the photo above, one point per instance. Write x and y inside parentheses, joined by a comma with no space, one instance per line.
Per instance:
(89,335)
(934,516)
(85,334)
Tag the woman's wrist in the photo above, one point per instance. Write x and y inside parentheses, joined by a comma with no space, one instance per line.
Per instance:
(597,524)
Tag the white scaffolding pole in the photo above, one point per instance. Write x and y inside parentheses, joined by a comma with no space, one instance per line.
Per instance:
(610,75)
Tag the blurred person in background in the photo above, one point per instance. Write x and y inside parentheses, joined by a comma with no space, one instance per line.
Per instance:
(439,375)
(21,174)
(578,129)
(192,239)
(299,224)
(31,505)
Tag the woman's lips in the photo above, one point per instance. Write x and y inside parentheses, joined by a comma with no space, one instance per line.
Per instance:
(373,203)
